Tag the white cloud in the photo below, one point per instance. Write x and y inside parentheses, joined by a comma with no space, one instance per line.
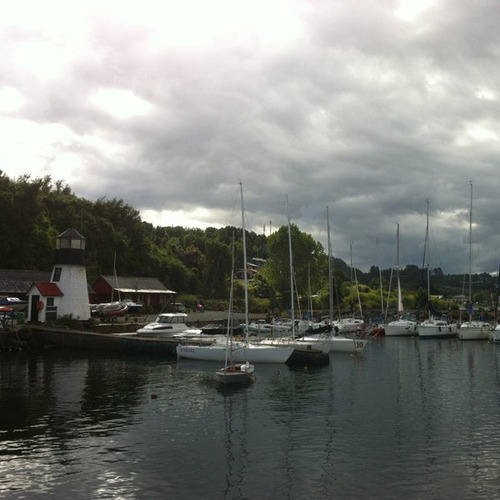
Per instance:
(121,104)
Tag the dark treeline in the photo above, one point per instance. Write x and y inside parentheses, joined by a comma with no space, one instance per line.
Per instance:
(35,211)
(190,261)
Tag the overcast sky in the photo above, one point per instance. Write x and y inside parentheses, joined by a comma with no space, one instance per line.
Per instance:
(367,107)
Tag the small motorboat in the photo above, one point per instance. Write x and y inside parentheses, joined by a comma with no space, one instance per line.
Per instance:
(15,303)
(165,325)
(109,310)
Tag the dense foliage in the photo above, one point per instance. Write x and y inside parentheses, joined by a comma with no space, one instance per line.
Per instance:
(193,261)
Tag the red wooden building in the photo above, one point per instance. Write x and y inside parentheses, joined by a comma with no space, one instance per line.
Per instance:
(146,291)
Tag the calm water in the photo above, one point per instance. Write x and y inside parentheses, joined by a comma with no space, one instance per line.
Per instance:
(409,418)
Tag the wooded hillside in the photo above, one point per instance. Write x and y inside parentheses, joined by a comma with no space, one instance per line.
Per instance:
(188,260)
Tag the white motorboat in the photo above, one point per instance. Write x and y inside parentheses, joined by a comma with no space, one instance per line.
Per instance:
(165,325)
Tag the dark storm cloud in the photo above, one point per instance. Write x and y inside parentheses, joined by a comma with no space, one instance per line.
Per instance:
(359,110)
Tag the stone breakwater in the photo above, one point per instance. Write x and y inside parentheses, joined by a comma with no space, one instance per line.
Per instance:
(19,337)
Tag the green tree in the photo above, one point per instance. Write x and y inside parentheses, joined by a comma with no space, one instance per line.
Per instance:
(308,259)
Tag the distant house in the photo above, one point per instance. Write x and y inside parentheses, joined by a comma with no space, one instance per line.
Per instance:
(256,263)
(253,266)
(147,291)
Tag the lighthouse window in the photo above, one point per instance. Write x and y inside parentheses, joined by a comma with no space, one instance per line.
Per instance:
(57,274)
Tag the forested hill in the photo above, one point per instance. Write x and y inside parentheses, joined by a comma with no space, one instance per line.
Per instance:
(35,211)
(194,261)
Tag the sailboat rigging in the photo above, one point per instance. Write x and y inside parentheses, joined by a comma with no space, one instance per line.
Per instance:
(337,342)
(436,326)
(233,373)
(404,324)
(472,329)
(244,350)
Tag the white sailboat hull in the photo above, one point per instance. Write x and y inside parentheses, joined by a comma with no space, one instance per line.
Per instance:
(338,343)
(241,352)
(321,345)
(349,325)
(432,329)
(474,330)
(400,327)
(495,334)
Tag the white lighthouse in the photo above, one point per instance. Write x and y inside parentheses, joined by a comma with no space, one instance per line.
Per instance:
(66,294)
(70,275)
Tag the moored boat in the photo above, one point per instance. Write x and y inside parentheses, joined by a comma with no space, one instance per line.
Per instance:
(475,330)
(437,328)
(236,373)
(495,334)
(241,352)
(337,343)
(109,310)
(15,303)
(404,325)
(437,325)
(165,325)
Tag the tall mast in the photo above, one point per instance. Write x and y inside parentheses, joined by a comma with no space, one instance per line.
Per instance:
(330,282)
(245,277)
(426,255)
(291,269)
(400,300)
(469,307)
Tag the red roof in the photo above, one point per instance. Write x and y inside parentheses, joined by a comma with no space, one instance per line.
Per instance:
(48,289)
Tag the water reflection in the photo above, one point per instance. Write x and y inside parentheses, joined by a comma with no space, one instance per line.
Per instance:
(412,419)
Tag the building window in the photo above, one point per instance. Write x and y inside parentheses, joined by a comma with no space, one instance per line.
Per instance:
(57,274)
(50,301)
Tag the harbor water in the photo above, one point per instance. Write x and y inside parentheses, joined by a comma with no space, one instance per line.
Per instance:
(406,419)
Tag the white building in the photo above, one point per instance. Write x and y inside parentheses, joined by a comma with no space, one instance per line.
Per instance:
(67,293)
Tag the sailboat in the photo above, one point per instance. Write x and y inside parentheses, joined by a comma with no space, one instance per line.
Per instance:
(301,346)
(337,343)
(472,329)
(231,372)
(242,351)
(405,324)
(495,333)
(436,326)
